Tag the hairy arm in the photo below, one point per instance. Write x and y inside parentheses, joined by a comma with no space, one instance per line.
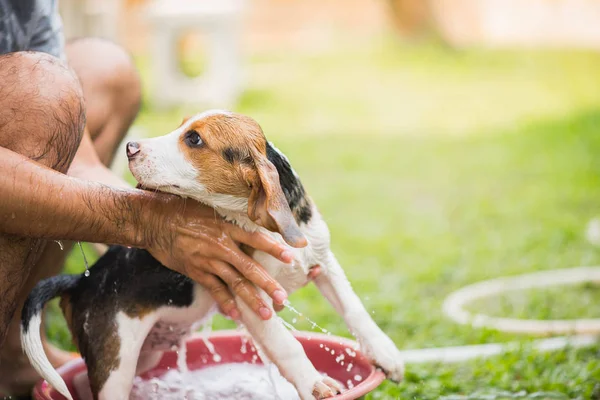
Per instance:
(40,202)
(185,236)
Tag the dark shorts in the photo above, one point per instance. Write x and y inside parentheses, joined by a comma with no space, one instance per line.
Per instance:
(31,25)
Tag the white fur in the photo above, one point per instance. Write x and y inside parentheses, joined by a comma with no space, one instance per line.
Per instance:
(161,165)
(132,333)
(32,345)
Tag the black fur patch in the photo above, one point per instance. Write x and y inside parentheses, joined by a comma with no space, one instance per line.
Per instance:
(42,293)
(292,187)
(131,278)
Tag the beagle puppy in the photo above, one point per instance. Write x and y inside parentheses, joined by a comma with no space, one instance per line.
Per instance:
(130,308)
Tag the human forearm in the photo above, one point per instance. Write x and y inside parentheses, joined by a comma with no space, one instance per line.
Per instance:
(42,203)
(184,235)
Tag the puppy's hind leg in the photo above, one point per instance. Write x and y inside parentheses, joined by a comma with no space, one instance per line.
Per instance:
(116,383)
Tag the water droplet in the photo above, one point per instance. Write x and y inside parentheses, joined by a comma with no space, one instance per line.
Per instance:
(294,320)
(332,352)
(357,378)
(287,325)
(244,348)
(321,345)
(217,358)
(85,262)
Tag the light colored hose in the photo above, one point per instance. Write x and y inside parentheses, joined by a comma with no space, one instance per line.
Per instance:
(454,304)
(581,332)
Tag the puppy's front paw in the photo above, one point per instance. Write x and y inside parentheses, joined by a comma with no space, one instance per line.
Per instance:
(326,387)
(383,353)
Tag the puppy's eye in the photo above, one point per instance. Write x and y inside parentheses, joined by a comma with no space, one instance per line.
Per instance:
(192,139)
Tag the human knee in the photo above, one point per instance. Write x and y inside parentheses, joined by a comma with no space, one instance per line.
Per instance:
(109,69)
(42,112)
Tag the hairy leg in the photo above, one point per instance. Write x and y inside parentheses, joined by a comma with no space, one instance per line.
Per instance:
(111,89)
(42,117)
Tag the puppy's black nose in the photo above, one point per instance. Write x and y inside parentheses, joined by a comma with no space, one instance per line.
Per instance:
(133,148)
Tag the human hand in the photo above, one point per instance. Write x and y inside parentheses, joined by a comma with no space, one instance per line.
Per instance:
(195,241)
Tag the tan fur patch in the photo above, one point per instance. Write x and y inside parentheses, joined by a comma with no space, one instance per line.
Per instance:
(67,309)
(220,133)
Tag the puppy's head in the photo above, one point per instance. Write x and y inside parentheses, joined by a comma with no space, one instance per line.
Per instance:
(220,159)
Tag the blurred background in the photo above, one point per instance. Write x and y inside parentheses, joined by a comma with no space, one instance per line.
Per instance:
(445,142)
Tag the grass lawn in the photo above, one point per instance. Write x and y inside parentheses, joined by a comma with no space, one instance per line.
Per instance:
(436,169)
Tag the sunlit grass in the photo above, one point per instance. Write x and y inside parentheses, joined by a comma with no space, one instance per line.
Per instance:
(435,169)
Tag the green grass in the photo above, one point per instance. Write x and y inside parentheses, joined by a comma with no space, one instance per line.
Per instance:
(435,169)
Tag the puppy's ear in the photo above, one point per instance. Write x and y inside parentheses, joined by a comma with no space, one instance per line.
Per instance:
(268,207)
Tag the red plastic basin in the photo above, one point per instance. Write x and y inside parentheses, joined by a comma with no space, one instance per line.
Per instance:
(227,345)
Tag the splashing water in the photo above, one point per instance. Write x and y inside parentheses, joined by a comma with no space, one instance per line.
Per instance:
(85,262)
(244,348)
(350,352)
(313,324)
(288,325)
(182,358)
(225,381)
(340,358)
(239,381)
(206,330)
